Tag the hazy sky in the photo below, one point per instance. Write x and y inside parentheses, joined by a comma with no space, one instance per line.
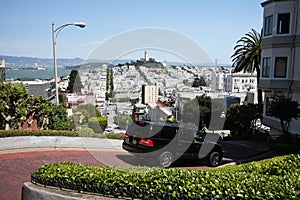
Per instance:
(213,25)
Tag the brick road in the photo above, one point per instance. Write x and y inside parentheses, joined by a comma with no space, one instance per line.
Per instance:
(17,165)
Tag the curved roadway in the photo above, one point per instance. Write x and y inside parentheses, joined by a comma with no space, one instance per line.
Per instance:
(20,156)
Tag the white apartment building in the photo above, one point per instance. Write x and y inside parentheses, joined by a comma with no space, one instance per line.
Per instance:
(149,94)
(242,85)
(280,73)
(240,82)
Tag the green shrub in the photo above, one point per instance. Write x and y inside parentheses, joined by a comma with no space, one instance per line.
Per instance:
(88,132)
(84,132)
(98,124)
(117,136)
(276,178)
(12,133)
(239,117)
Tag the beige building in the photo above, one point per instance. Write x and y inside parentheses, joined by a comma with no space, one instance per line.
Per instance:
(280,67)
(149,94)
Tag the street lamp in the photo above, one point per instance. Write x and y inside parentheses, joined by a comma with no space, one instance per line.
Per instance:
(79,24)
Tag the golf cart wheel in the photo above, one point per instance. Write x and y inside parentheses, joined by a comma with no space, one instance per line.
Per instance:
(166,159)
(214,159)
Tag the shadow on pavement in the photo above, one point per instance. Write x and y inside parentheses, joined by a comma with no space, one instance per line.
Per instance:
(134,161)
(234,151)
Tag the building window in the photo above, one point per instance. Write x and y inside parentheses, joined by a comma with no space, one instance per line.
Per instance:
(283,23)
(266,67)
(268,25)
(280,67)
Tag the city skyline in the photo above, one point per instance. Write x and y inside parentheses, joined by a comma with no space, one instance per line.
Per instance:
(26,26)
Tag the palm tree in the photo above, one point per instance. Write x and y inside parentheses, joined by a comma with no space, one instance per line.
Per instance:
(247,56)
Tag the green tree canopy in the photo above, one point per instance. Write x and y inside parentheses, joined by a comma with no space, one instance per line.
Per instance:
(98,124)
(58,118)
(12,95)
(285,109)
(199,82)
(239,117)
(75,83)
(17,106)
(123,121)
(197,111)
(88,110)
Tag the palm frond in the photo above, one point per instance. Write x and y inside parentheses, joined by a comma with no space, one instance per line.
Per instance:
(246,56)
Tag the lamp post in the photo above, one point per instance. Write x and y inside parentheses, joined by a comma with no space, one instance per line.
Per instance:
(57,30)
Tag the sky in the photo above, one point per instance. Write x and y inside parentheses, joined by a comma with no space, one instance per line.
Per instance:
(215,26)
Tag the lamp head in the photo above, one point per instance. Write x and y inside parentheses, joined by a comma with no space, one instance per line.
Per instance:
(79,24)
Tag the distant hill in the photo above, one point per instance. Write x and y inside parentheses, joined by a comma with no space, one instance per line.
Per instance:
(27,62)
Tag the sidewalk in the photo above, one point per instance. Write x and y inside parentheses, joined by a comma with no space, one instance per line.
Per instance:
(241,151)
(22,142)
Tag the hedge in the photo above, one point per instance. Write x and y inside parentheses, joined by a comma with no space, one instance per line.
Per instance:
(14,133)
(275,178)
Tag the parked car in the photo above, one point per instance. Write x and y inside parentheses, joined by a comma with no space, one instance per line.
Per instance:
(167,142)
(109,130)
(222,133)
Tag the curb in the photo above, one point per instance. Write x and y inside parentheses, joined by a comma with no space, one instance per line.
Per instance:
(32,191)
(36,149)
(265,155)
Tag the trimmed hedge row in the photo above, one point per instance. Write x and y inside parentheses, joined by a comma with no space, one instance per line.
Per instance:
(14,133)
(276,178)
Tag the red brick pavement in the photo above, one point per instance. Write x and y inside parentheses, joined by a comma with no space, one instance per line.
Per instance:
(17,167)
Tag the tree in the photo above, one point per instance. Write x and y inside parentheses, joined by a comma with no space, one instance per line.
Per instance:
(16,107)
(98,124)
(75,83)
(197,111)
(239,117)
(198,82)
(88,110)
(11,97)
(124,121)
(111,80)
(247,56)
(58,119)
(285,109)
(38,108)
(151,60)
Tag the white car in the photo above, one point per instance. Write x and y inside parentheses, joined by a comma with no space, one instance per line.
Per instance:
(108,131)
(222,133)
